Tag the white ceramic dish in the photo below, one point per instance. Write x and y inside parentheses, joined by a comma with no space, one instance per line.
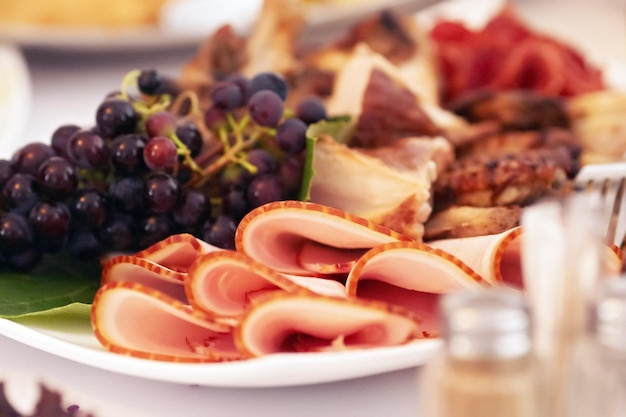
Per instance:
(273,370)
(270,371)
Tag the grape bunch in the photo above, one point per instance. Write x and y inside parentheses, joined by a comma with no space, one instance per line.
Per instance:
(154,163)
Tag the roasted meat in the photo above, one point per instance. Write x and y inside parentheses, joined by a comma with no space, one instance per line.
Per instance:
(511,179)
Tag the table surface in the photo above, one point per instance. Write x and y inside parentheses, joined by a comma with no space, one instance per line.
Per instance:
(67,88)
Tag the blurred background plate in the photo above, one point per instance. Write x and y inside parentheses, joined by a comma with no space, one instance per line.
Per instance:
(15,96)
(172,24)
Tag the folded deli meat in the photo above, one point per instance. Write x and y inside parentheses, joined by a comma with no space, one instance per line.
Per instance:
(336,282)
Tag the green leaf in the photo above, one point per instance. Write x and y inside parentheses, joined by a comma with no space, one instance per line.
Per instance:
(57,282)
(339,128)
(74,317)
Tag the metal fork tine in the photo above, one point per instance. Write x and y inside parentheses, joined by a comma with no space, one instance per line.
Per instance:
(620,216)
(606,185)
(615,203)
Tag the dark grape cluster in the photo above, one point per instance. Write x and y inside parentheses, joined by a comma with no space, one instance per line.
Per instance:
(145,170)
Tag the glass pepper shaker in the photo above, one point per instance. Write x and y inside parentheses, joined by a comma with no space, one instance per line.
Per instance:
(486,367)
(597,386)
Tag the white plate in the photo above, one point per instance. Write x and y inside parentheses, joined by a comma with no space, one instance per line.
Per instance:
(269,371)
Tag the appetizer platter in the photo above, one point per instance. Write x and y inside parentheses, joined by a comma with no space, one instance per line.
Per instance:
(223,246)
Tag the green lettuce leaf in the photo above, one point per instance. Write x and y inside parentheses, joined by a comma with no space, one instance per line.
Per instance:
(339,128)
(74,317)
(59,281)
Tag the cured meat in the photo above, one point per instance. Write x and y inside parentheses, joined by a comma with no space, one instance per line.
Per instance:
(135,320)
(226,283)
(162,266)
(412,275)
(177,252)
(305,323)
(129,268)
(284,234)
(496,258)
(486,59)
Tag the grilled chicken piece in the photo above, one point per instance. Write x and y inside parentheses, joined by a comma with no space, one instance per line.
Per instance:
(513,110)
(510,142)
(516,178)
(466,221)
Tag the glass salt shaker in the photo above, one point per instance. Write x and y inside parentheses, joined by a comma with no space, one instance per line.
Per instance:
(486,367)
(597,387)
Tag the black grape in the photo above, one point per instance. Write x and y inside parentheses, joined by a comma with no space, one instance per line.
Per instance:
(50,222)
(311,110)
(269,81)
(27,159)
(87,149)
(57,178)
(291,136)
(115,117)
(150,82)
(161,193)
(265,189)
(220,232)
(266,108)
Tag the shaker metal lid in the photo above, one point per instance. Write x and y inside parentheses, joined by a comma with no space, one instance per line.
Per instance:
(486,323)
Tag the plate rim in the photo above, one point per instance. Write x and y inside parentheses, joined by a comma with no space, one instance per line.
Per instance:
(285,369)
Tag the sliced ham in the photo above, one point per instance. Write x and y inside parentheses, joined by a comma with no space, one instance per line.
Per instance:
(130,268)
(135,320)
(306,323)
(226,283)
(496,258)
(411,275)
(285,235)
(177,251)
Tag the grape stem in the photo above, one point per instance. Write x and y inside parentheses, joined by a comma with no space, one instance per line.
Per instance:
(228,156)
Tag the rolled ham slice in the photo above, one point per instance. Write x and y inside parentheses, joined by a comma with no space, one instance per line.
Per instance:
(496,258)
(162,266)
(300,238)
(226,283)
(135,320)
(177,252)
(130,268)
(412,275)
(304,322)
